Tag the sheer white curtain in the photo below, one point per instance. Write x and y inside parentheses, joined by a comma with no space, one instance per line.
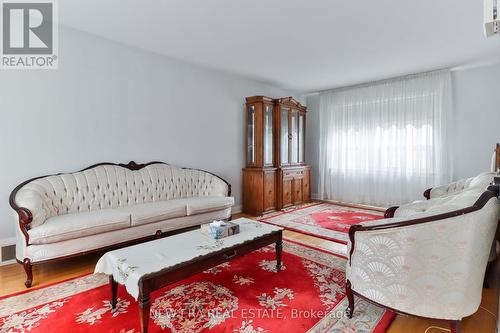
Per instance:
(384,143)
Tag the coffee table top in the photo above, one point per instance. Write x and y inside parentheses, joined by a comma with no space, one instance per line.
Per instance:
(129,264)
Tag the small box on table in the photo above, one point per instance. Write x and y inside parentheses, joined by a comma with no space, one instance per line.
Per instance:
(220,229)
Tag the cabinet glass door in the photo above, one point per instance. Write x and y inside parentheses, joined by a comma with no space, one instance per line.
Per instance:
(284,136)
(268,135)
(251,135)
(295,137)
(302,152)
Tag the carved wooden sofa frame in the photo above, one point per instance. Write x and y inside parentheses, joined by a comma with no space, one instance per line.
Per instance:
(25,218)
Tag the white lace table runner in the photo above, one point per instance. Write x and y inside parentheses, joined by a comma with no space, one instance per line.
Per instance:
(129,264)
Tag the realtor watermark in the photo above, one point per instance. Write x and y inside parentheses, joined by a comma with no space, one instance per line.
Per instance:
(252,313)
(29,34)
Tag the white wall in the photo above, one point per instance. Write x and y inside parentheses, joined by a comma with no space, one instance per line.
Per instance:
(109,102)
(312,139)
(476,119)
(475,126)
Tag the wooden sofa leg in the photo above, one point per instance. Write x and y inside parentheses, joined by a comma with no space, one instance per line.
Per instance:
(350,299)
(28,268)
(455,326)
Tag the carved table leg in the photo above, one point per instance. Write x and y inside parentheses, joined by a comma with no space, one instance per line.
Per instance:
(28,268)
(279,250)
(350,299)
(114,287)
(144,306)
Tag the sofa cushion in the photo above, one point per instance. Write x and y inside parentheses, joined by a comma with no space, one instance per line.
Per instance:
(70,226)
(155,211)
(199,205)
(43,252)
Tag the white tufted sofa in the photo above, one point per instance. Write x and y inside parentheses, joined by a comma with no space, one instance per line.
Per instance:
(107,205)
(427,258)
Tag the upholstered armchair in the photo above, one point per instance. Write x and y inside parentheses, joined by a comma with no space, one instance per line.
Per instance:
(429,264)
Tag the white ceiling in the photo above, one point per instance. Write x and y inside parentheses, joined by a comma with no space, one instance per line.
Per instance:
(305,45)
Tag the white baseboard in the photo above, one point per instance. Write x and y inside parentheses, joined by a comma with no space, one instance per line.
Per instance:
(7,242)
(8,262)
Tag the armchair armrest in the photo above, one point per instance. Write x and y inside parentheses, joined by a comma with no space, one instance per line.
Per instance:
(390,212)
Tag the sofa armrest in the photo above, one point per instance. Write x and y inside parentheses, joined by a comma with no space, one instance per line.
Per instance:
(390,212)
(481,181)
(444,190)
(427,193)
(25,217)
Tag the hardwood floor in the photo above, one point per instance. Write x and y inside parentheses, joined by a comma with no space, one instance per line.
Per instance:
(483,321)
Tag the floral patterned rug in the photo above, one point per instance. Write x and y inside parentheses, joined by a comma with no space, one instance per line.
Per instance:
(244,295)
(322,220)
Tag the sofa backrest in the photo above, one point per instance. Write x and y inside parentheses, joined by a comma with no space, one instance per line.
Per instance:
(438,205)
(481,181)
(111,186)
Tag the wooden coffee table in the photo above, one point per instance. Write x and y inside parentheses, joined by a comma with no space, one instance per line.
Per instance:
(150,266)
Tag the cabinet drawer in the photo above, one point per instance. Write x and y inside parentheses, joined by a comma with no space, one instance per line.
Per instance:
(293,173)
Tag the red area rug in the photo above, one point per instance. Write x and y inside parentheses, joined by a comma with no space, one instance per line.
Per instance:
(245,295)
(323,220)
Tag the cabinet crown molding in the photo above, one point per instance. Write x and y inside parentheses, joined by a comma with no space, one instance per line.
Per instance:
(286,101)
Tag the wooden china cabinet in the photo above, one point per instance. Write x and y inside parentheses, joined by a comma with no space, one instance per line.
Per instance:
(276,175)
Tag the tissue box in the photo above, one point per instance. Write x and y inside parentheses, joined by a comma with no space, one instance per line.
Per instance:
(218,232)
